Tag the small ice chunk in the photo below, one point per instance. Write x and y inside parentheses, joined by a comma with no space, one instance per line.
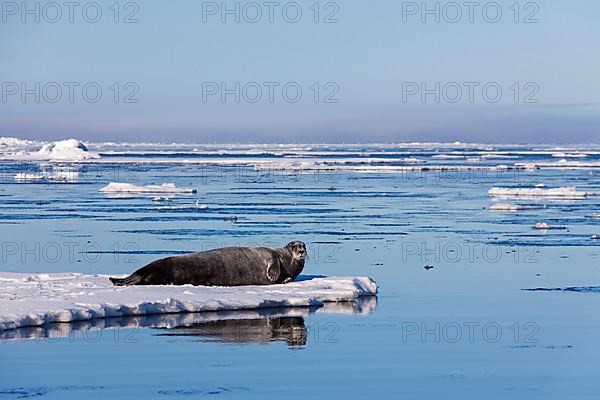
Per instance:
(569,155)
(529,167)
(23,177)
(542,226)
(56,176)
(506,207)
(121,187)
(413,160)
(569,192)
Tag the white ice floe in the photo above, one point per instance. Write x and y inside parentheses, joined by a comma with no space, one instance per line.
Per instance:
(448,157)
(62,150)
(55,176)
(195,206)
(37,300)
(542,226)
(129,188)
(506,207)
(562,164)
(14,143)
(70,149)
(529,167)
(497,155)
(360,306)
(63,175)
(565,193)
(302,158)
(23,177)
(413,160)
(569,155)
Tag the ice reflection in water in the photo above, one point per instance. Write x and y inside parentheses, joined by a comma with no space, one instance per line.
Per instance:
(245,326)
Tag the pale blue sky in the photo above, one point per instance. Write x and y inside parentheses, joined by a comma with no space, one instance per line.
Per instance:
(368,54)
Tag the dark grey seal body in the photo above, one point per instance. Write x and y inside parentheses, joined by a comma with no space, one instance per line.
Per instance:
(229,266)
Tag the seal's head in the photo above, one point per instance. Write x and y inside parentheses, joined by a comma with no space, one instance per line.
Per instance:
(297,249)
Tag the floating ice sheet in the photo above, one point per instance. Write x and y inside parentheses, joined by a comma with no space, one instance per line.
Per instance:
(129,188)
(37,300)
(565,193)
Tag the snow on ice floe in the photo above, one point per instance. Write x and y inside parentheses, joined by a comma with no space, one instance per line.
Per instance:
(119,188)
(38,300)
(564,193)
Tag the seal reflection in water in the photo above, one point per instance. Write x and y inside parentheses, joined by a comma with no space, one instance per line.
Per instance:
(287,329)
(229,266)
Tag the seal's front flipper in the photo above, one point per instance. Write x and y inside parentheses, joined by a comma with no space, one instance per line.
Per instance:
(286,280)
(273,271)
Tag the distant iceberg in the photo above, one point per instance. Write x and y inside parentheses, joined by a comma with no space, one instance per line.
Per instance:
(70,149)
(62,150)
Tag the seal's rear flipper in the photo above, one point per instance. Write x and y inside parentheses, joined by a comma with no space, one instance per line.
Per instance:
(130,280)
(117,281)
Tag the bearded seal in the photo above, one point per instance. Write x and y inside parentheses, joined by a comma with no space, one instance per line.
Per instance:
(228,266)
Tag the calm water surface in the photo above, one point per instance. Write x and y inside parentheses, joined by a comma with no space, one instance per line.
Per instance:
(463,328)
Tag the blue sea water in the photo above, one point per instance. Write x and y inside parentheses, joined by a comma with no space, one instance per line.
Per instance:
(463,326)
